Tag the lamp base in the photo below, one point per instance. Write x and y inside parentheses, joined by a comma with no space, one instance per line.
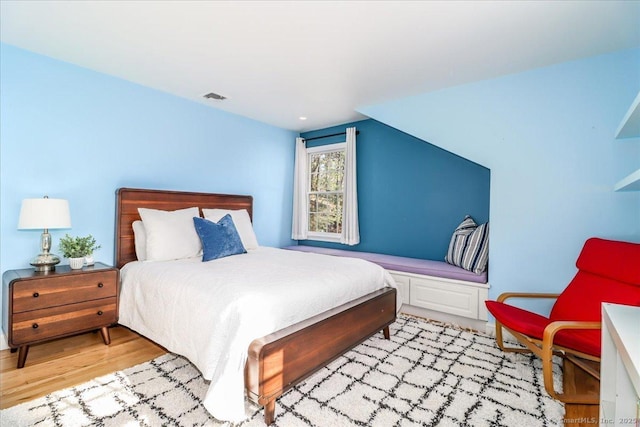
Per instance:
(45,262)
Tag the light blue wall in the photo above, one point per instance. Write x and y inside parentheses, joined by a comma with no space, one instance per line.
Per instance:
(548,137)
(411,194)
(72,133)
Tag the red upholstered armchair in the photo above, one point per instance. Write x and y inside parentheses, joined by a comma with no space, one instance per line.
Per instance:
(608,271)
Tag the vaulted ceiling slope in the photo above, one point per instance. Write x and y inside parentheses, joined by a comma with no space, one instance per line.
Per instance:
(276,61)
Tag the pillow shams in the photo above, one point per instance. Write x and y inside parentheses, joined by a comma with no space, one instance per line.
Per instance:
(241,221)
(219,239)
(469,246)
(170,234)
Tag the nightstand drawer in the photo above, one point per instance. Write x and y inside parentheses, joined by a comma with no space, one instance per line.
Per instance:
(48,323)
(36,294)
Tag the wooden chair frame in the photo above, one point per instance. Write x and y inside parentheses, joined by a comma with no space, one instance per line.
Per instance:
(546,349)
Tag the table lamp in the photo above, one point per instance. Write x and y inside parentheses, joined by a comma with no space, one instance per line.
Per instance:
(47,214)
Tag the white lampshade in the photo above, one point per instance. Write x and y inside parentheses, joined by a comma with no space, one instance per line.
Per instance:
(44,213)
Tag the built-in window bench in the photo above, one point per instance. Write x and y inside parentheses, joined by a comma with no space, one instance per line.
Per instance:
(432,289)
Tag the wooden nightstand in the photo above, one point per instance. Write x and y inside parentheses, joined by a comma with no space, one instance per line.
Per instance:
(43,306)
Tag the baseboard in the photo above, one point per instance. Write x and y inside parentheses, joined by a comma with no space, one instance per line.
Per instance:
(477,325)
(491,329)
(3,341)
(506,335)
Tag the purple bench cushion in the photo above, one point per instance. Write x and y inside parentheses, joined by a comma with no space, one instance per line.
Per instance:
(399,263)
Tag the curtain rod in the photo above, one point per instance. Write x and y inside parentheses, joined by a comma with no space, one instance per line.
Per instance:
(327,136)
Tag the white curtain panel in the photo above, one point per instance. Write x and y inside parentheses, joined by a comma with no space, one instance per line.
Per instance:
(350,227)
(299,224)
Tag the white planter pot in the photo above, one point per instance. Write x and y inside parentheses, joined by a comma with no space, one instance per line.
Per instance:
(76,263)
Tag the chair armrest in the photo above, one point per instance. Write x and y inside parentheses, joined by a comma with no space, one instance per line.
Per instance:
(546,352)
(554,327)
(502,297)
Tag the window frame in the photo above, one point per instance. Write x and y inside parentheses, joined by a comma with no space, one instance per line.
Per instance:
(322,236)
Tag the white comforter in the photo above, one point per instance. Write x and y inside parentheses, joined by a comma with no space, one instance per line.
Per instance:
(210,311)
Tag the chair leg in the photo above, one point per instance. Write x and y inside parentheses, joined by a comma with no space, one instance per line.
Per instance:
(500,341)
(547,373)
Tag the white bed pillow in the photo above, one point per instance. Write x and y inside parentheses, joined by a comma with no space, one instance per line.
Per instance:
(140,240)
(242,222)
(170,234)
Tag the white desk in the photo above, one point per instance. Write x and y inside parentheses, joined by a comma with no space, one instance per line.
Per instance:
(620,366)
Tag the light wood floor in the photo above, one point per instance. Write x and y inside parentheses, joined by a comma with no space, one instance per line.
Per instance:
(66,362)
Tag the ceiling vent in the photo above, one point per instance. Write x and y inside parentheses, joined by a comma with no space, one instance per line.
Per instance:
(215,96)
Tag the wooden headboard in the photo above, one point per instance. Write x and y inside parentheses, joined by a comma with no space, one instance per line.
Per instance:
(128,200)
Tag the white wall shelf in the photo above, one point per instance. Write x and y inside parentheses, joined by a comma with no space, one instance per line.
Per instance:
(630,183)
(630,125)
(630,128)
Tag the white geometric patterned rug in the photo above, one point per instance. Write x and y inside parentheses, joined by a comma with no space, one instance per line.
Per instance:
(428,374)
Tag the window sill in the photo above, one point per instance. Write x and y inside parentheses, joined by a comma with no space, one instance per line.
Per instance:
(321,237)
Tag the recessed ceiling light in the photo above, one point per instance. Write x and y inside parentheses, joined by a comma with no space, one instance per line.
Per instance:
(303,118)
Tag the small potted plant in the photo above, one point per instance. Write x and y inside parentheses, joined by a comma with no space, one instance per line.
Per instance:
(77,249)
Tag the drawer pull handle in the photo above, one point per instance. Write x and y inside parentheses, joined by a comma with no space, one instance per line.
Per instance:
(36,295)
(99,312)
(100,285)
(34,326)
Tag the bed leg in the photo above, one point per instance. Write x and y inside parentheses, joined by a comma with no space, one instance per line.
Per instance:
(270,412)
(386,333)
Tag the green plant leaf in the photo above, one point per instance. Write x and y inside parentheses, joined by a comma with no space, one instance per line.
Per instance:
(78,247)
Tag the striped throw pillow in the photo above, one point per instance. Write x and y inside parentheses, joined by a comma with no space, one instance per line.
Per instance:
(469,246)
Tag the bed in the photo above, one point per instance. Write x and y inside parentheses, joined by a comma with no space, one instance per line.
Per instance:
(275,361)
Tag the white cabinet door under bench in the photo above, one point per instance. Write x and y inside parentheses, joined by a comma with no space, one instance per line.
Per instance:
(442,299)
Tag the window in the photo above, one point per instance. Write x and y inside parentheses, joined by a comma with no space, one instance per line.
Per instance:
(324,186)
(325,194)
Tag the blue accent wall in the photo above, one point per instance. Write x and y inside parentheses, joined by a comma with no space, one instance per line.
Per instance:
(72,133)
(411,194)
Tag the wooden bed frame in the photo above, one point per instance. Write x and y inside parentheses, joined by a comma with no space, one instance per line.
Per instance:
(282,359)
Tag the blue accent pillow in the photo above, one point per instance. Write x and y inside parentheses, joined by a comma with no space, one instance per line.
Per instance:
(219,239)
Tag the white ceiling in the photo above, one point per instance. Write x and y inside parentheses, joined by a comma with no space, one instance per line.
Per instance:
(279,60)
